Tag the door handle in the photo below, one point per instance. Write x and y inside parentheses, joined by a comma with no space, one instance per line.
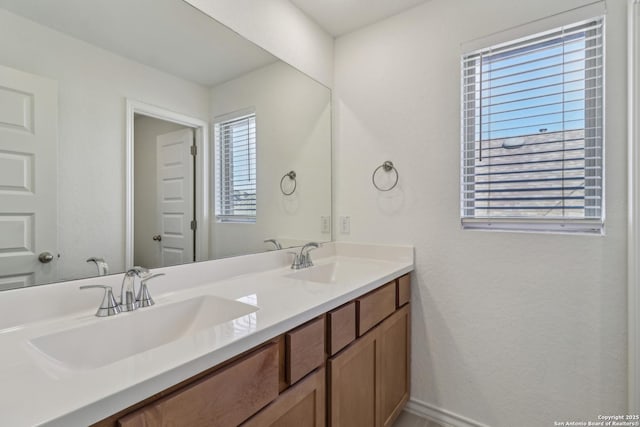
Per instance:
(157,238)
(45,257)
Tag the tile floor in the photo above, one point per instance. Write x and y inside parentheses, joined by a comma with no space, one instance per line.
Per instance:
(409,420)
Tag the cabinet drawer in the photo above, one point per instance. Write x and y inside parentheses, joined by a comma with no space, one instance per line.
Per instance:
(341,327)
(225,398)
(375,306)
(304,349)
(404,290)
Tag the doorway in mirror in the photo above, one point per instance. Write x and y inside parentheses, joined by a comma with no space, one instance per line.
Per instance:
(167,203)
(164,185)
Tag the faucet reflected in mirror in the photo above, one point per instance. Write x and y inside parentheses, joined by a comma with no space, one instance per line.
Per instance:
(67,60)
(101,265)
(277,244)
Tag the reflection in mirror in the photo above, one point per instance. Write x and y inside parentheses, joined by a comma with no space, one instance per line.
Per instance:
(100,105)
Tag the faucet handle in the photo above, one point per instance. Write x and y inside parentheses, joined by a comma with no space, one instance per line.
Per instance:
(138,271)
(305,255)
(144,297)
(108,306)
(296,264)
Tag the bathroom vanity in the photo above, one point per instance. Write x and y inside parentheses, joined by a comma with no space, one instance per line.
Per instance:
(350,364)
(259,345)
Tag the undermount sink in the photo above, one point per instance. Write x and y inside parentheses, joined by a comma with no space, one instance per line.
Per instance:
(108,340)
(336,272)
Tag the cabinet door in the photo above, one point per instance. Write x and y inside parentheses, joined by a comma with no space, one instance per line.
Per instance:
(352,385)
(223,399)
(393,347)
(302,405)
(369,381)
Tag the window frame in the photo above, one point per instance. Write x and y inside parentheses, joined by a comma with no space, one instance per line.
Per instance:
(222,185)
(586,225)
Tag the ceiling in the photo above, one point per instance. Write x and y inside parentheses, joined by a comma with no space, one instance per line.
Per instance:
(339,17)
(155,36)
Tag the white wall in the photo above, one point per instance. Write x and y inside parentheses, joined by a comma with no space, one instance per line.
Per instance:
(146,251)
(93,86)
(293,128)
(280,28)
(508,328)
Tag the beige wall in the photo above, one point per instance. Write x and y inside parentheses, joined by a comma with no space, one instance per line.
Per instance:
(293,116)
(508,328)
(280,28)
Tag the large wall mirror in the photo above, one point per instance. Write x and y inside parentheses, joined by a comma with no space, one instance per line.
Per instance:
(143,132)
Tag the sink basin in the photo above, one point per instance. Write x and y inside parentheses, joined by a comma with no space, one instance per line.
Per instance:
(336,272)
(108,340)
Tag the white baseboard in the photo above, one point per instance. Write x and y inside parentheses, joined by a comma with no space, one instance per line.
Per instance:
(439,415)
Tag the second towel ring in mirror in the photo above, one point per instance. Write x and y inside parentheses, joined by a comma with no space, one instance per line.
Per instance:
(288,186)
(387,166)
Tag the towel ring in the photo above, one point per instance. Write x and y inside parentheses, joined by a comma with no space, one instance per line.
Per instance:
(292,177)
(387,166)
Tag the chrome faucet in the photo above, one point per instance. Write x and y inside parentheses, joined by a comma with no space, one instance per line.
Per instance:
(275,243)
(303,259)
(128,301)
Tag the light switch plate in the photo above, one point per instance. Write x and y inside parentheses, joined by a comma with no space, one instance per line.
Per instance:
(345,224)
(325,224)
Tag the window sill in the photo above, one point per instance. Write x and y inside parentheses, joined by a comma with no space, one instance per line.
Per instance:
(581,227)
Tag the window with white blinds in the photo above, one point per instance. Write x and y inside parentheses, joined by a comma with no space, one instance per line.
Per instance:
(532,132)
(235,184)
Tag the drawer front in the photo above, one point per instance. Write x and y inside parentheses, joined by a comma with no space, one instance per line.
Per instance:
(375,306)
(404,290)
(225,398)
(341,328)
(305,349)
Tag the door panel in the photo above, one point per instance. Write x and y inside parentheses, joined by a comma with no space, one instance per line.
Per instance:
(28,177)
(175,196)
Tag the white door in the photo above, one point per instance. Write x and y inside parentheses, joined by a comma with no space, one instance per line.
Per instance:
(175,197)
(28,178)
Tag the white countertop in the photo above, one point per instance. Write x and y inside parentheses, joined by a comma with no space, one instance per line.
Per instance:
(38,391)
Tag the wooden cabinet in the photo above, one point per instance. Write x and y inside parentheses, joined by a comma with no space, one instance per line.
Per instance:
(404,290)
(375,306)
(341,327)
(368,382)
(304,348)
(224,398)
(289,382)
(352,384)
(393,347)
(302,405)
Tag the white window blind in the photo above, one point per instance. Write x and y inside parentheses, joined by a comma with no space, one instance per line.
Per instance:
(235,184)
(532,132)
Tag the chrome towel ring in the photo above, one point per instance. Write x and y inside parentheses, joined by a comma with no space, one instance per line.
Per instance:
(285,186)
(387,166)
